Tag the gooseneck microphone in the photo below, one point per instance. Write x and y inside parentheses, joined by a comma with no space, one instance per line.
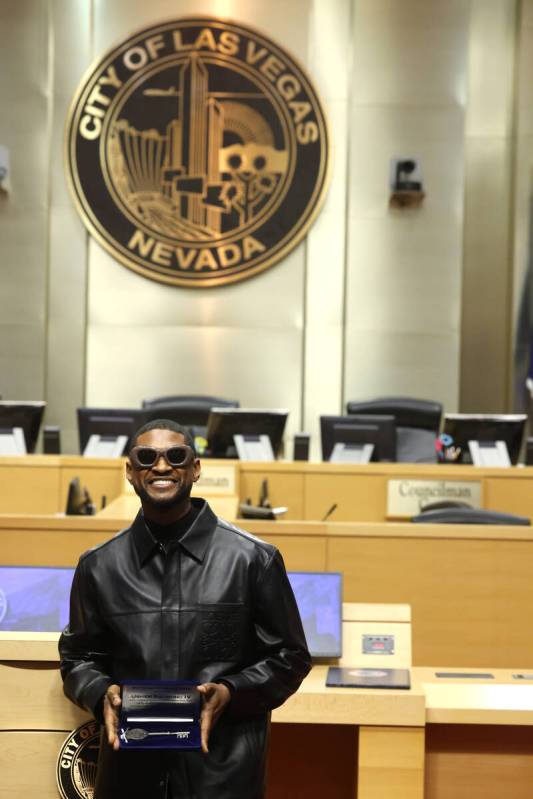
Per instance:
(330,511)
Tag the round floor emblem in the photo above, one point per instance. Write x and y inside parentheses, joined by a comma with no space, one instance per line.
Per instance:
(76,762)
(197,152)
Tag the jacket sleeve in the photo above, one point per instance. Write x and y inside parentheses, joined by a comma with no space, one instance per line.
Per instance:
(283,658)
(82,648)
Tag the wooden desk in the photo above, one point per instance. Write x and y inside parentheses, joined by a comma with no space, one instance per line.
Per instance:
(389,745)
(479,736)
(360,491)
(380,735)
(470,588)
(126,506)
(39,483)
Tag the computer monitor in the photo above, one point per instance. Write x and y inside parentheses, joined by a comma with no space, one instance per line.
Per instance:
(319,599)
(34,599)
(108,422)
(25,415)
(225,423)
(359,429)
(485,428)
(188,416)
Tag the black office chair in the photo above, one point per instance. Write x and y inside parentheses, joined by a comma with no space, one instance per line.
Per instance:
(189,410)
(466,515)
(186,400)
(417,424)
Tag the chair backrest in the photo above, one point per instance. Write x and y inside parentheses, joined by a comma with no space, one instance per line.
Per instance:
(408,411)
(191,411)
(190,400)
(417,424)
(469,516)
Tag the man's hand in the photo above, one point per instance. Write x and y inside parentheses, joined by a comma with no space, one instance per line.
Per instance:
(215,696)
(112,703)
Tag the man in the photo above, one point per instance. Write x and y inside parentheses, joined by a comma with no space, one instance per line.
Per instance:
(183,595)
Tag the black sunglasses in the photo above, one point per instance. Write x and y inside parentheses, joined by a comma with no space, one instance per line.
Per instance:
(146,457)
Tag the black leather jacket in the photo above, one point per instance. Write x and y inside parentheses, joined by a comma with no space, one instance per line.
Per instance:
(217,605)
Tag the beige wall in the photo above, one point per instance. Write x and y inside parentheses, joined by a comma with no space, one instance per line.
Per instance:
(487,256)
(372,302)
(523,156)
(24,215)
(404,266)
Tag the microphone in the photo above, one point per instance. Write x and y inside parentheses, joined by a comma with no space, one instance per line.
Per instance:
(330,511)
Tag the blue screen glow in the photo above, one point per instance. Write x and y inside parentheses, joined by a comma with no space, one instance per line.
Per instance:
(33,598)
(319,599)
(36,599)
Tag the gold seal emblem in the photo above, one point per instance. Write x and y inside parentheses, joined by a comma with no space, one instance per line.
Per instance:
(76,762)
(197,152)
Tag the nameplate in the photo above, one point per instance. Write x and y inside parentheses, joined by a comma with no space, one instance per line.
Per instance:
(406,498)
(217,479)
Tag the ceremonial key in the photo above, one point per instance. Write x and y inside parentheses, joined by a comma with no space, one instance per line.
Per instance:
(137,734)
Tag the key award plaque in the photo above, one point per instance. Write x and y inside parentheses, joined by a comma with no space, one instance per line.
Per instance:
(160,714)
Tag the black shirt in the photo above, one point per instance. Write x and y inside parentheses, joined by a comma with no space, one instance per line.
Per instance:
(166,533)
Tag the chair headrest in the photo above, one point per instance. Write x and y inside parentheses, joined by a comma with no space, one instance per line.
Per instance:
(408,411)
(469,516)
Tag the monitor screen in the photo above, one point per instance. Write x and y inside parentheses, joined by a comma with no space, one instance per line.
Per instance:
(319,599)
(27,415)
(360,429)
(465,427)
(34,598)
(224,423)
(108,422)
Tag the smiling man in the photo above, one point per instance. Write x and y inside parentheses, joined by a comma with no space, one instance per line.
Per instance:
(183,595)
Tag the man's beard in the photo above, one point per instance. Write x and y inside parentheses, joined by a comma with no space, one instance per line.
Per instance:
(180,496)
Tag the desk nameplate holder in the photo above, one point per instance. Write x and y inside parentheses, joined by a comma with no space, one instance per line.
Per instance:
(407,497)
(464,675)
(159,714)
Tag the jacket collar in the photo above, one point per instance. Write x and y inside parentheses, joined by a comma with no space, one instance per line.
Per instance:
(194,541)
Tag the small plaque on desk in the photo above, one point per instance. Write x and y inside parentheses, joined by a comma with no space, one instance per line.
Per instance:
(159,714)
(464,675)
(368,678)
(378,644)
(217,478)
(407,497)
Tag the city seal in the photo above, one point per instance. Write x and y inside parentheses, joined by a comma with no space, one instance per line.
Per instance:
(197,152)
(76,762)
